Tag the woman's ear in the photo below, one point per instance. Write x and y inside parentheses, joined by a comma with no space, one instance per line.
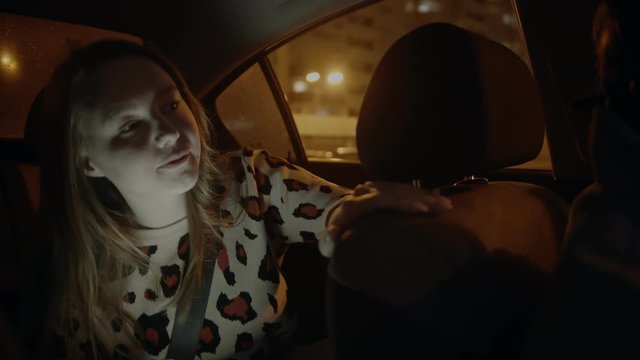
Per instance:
(90,169)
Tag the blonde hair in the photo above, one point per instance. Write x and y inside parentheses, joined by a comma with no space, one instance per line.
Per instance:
(87,218)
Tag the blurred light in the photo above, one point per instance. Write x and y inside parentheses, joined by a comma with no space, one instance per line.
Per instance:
(300,86)
(424,8)
(347,150)
(313,77)
(322,111)
(508,19)
(323,154)
(335,78)
(409,6)
(427,6)
(8,62)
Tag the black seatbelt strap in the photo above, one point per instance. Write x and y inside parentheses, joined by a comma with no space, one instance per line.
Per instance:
(190,317)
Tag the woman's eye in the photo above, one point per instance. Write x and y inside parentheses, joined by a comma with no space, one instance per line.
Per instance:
(129,127)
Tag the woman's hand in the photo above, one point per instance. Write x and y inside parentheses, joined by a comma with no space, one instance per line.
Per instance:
(372,196)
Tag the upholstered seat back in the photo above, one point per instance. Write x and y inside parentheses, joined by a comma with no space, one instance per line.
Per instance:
(443,104)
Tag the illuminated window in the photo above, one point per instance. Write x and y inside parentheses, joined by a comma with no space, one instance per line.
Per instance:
(342,56)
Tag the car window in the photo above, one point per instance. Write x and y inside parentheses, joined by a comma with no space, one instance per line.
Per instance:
(30,49)
(249,111)
(324,73)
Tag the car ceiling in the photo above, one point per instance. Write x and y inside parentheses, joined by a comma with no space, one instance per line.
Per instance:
(206,39)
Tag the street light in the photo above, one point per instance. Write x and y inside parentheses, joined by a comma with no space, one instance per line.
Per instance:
(335,78)
(313,77)
(8,62)
(300,86)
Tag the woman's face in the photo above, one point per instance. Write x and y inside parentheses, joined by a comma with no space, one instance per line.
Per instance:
(139,133)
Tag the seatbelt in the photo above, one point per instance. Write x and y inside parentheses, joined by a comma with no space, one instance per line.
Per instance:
(190,317)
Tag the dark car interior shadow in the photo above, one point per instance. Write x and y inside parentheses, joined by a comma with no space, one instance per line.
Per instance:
(463,283)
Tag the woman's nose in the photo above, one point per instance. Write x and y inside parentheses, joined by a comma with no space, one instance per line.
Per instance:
(166,134)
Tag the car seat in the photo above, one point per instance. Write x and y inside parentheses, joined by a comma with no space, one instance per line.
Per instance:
(16,225)
(25,269)
(445,108)
(590,310)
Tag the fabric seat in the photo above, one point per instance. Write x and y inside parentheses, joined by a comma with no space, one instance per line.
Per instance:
(25,286)
(591,310)
(18,208)
(444,107)
(17,217)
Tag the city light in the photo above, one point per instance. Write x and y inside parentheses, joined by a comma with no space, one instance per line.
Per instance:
(508,19)
(424,8)
(7,61)
(335,78)
(409,6)
(300,86)
(313,77)
(427,6)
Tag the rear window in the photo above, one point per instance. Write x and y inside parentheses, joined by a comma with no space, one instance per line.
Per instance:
(325,72)
(30,49)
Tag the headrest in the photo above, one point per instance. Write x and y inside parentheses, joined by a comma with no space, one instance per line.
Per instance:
(444,103)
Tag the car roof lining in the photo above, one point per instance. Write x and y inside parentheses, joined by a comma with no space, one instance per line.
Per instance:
(215,37)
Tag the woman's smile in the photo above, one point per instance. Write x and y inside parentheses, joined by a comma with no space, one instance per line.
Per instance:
(177,160)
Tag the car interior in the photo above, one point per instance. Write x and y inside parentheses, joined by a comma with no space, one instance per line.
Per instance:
(500,129)
(459,293)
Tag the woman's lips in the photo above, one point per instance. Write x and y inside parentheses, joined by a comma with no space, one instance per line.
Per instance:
(180,160)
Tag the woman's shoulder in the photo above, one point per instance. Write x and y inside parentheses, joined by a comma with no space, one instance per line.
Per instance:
(256,165)
(594,208)
(599,224)
(252,158)
(257,172)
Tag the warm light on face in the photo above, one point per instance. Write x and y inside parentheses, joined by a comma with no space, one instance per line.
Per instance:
(335,78)
(313,77)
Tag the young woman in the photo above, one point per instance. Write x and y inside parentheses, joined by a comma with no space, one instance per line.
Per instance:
(135,199)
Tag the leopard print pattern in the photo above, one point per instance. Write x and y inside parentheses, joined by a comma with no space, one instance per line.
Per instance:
(272,203)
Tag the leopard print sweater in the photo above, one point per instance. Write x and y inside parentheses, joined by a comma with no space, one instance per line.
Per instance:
(275,203)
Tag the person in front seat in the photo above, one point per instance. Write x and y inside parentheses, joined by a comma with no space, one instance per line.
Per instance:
(591,311)
(137,201)
(604,222)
